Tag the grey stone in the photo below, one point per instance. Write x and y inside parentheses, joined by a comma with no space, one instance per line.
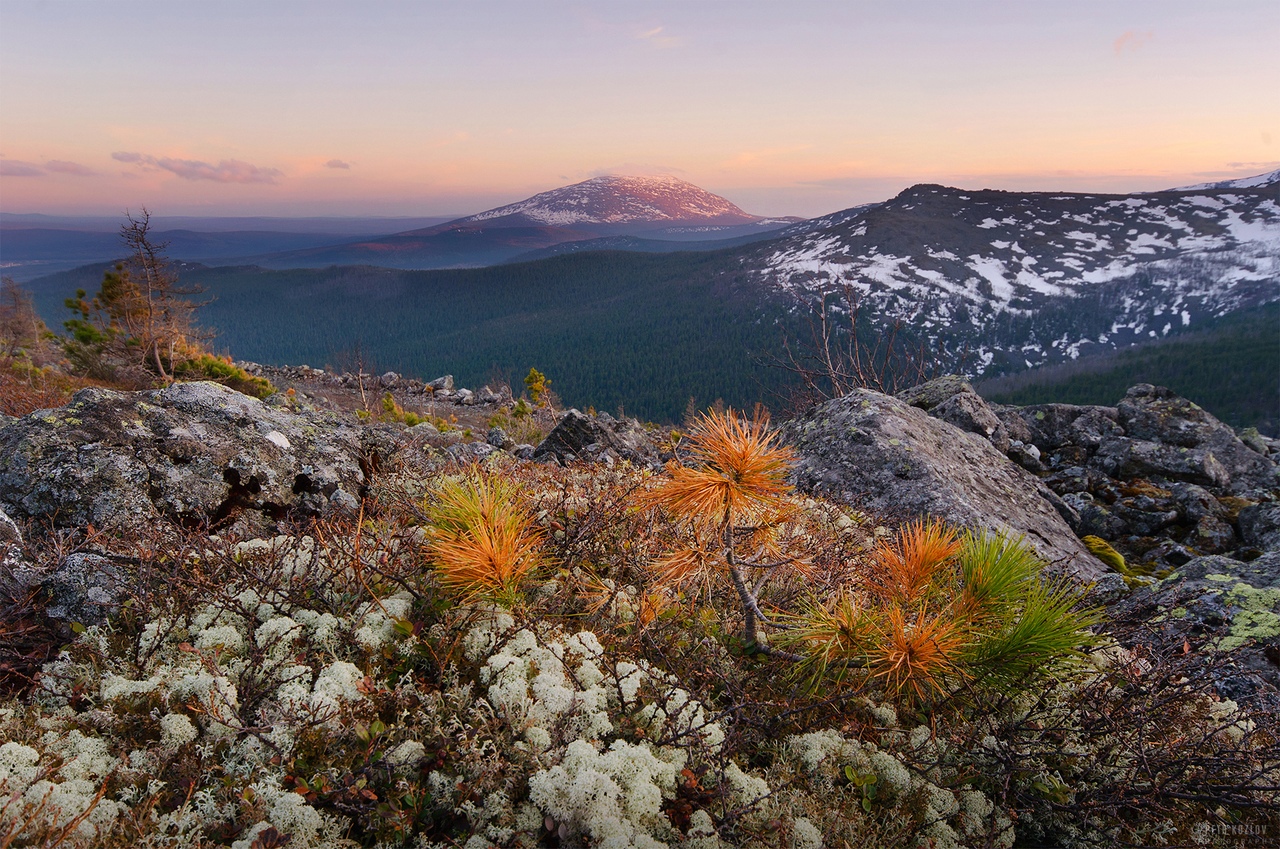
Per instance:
(85,588)
(445,382)
(423,429)
(1195,502)
(1155,414)
(389,380)
(883,455)
(576,433)
(953,400)
(497,437)
(1107,588)
(1260,525)
(1026,455)
(1051,426)
(1255,441)
(470,452)
(1211,535)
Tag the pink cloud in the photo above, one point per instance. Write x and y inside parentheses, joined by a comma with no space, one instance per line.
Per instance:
(226,171)
(17,168)
(338,163)
(75,169)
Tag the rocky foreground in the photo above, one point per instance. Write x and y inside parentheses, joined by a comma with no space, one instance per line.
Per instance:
(1181,516)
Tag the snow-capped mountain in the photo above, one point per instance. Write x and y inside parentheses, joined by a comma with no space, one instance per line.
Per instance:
(1017,280)
(1255,182)
(669,213)
(621,200)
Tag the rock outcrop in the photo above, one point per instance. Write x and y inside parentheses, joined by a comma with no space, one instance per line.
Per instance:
(881,454)
(600,437)
(195,453)
(1156,475)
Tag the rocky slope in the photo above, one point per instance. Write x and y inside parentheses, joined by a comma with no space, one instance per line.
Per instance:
(1191,507)
(178,630)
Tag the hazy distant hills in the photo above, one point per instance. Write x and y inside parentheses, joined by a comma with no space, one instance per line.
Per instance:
(32,245)
(659,209)
(992,282)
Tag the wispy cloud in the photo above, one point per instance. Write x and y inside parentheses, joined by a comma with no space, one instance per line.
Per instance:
(75,169)
(1261,166)
(18,168)
(338,163)
(226,171)
(1130,40)
(659,38)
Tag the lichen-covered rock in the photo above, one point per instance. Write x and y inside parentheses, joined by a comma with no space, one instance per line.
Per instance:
(878,452)
(1156,414)
(1235,604)
(193,452)
(585,437)
(1051,426)
(85,588)
(953,400)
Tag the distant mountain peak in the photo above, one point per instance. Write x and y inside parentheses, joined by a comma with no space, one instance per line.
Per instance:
(1256,182)
(618,199)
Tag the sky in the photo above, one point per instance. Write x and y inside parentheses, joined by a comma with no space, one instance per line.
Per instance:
(279,108)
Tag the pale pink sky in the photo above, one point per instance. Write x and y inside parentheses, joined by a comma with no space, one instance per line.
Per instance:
(795,108)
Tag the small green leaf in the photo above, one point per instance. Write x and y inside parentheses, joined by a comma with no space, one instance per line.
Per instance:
(77,628)
(850,774)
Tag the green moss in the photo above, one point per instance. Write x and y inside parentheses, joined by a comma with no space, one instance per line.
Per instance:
(1224,579)
(1256,619)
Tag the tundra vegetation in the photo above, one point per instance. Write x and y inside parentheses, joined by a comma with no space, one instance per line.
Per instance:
(518,654)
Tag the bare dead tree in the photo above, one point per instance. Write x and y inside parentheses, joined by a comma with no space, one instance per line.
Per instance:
(837,358)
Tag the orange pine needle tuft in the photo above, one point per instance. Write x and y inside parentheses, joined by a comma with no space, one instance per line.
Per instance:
(482,539)
(742,473)
(917,657)
(907,567)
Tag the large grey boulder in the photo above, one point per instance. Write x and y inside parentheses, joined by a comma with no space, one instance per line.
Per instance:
(877,452)
(584,437)
(193,452)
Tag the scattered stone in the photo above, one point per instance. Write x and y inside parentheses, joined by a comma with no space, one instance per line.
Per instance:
(1260,525)
(953,400)
(497,437)
(445,383)
(470,452)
